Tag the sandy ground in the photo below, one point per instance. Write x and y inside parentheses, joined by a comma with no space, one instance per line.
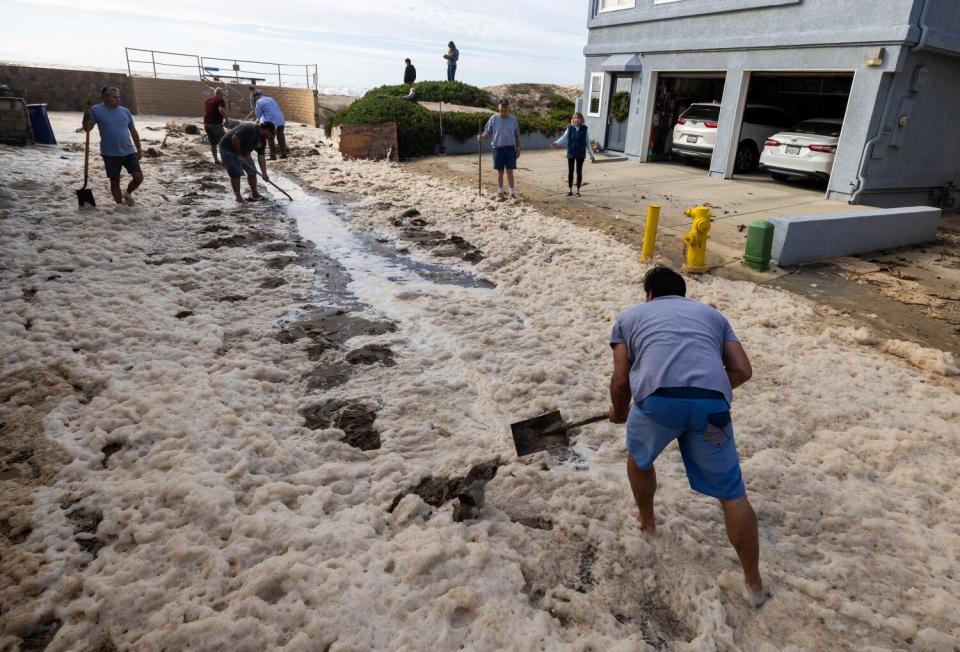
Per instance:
(247,427)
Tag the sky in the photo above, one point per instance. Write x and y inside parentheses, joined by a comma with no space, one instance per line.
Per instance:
(357,44)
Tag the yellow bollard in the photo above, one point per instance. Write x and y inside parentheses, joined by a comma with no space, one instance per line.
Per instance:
(695,240)
(650,233)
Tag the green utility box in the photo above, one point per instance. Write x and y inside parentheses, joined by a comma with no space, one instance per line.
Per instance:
(759,243)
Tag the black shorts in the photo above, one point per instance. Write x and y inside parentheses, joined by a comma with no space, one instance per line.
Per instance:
(215,132)
(113,165)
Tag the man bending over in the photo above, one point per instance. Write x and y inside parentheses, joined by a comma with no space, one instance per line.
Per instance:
(679,361)
(236,150)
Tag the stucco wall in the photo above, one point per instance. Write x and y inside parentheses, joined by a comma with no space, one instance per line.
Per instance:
(742,24)
(63,89)
(915,142)
(185,98)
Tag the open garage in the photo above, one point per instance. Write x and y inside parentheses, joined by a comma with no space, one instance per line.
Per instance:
(674,95)
(810,106)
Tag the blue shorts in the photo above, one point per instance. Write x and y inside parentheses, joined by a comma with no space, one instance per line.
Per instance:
(235,168)
(505,158)
(700,422)
(114,164)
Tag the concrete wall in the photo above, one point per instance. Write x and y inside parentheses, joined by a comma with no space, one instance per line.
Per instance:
(69,90)
(807,238)
(747,36)
(62,89)
(532,140)
(913,147)
(181,97)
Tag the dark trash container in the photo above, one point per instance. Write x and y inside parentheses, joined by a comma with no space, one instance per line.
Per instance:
(42,131)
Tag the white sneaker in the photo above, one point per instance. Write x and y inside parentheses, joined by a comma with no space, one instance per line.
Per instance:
(128,198)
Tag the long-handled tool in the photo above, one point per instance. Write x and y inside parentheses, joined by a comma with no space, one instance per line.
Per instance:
(546,432)
(85,195)
(260,174)
(479,159)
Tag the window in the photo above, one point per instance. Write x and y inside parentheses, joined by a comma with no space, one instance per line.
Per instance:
(596,93)
(613,5)
(702,113)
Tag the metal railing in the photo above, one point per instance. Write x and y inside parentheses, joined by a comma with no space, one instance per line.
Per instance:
(177,65)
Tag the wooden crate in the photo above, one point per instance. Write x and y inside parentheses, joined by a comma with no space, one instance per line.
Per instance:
(375,142)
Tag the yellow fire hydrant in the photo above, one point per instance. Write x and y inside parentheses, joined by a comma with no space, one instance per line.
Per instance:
(695,240)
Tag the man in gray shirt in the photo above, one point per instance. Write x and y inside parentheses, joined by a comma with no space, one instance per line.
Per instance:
(503,130)
(679,361)
(235,150)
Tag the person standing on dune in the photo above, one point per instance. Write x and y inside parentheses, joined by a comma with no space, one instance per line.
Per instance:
(452,56)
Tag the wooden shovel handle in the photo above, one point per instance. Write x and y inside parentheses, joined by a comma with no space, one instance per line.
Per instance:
(86,161)
(593,419)
(563,427)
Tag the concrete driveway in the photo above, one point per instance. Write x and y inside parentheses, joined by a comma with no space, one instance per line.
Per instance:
(625,189)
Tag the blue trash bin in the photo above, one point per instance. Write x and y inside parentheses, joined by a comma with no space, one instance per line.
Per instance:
(40,123)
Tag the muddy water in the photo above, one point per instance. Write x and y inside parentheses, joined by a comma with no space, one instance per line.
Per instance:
(376,269)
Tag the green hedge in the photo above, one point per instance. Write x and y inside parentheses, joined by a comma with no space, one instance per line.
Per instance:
(440,91)
(417,132)
(463,126)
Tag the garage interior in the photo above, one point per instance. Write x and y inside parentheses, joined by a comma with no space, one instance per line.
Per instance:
(804,96)
(676,92)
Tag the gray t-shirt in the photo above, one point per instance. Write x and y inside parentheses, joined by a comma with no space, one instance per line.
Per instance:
(502,132)
(674,342)
(249,135)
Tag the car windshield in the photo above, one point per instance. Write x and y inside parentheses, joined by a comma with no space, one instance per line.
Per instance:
(817,128)
(702,112)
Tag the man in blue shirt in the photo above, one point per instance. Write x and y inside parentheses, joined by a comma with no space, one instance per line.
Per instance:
(267,110)
(119,142)
(503,130)
(679,361)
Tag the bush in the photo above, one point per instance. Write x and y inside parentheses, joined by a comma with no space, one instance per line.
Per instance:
(417,132)
(440,91)
(463,126)
(560,104)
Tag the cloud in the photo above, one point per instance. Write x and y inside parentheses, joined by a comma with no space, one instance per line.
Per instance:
(356,43)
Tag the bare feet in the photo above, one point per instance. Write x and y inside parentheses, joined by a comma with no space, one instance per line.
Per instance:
(756,596)
(240,199)
(649,529)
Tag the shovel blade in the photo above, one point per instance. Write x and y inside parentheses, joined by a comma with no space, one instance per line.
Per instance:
(528,437)
(85,198)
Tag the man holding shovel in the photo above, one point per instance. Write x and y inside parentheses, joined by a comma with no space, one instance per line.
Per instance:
(119,142)
(679,361)
(503,130)
(236,149)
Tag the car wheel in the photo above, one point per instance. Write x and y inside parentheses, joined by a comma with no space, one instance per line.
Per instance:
(779,176)
(747,158)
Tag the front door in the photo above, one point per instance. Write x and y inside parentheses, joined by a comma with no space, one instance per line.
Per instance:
(618,111)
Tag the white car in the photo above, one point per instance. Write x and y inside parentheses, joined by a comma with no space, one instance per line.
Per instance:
(807,149)
(696,132)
